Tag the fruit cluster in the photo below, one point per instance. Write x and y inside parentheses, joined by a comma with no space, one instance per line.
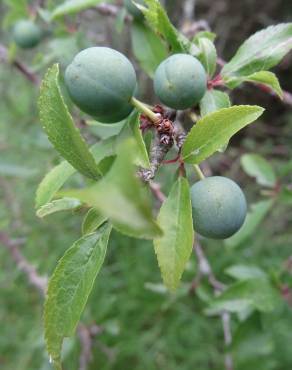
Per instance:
(102,82)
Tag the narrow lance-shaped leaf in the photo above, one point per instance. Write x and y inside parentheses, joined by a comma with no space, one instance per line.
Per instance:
(121,197)
(261,51)
(69,288)
(257,166)
(60,128)
(174,248)
(215,129)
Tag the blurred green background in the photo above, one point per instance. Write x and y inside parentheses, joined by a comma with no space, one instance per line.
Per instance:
(141,325)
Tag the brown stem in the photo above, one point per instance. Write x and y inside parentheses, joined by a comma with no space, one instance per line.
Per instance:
(21,67)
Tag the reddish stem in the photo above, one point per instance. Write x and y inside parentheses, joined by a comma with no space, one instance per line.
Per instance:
(217,81)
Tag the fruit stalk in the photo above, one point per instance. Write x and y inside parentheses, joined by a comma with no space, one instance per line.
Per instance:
(199,172)
(155,118)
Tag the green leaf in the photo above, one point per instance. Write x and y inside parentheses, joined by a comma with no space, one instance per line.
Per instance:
(148,48)
(141,156)
(258,294)
(174,248)
(266,78)
(104,130)
(214,100)
(60,128)
(261,51)
(245,272)
(285,196)
(204,34)
(57,177)
(158,20)
(257,166)
(69,288)
(92,221)
(73,6)
(121,197)
(215,129)
(208,55)
(63,204)
(253,219)
(52,182)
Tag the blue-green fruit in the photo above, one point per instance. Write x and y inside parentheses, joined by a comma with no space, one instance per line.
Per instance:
(26,34)
(101,82)
(132,9)
(219,207)
(180,81)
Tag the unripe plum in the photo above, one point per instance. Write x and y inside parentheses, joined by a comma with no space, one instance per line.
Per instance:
(101,82)
(180,81)
(26,34)
(219,207)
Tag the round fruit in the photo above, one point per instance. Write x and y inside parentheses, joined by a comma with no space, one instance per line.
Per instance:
(219,207)
(101,82)
(180,81)
(26,34)
(132,9)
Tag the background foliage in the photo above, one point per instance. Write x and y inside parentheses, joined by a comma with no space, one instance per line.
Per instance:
(136,321)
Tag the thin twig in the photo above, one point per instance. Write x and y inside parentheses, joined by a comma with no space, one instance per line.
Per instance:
(21,67)
(13,246)
(111,10)
(205,269)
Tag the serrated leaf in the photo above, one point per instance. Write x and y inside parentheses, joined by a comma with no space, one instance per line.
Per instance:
(257,166)
(215,129)
(121,197)
(214,100)
(147,47)
(245,272)
(60,128)
(261,51)
(258,294)
(92,221)
(57,177)
(69,288)
(253,219)
(266,78)
(158,20)
(208,55)
(174,248)
(63,204)
(70,7)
